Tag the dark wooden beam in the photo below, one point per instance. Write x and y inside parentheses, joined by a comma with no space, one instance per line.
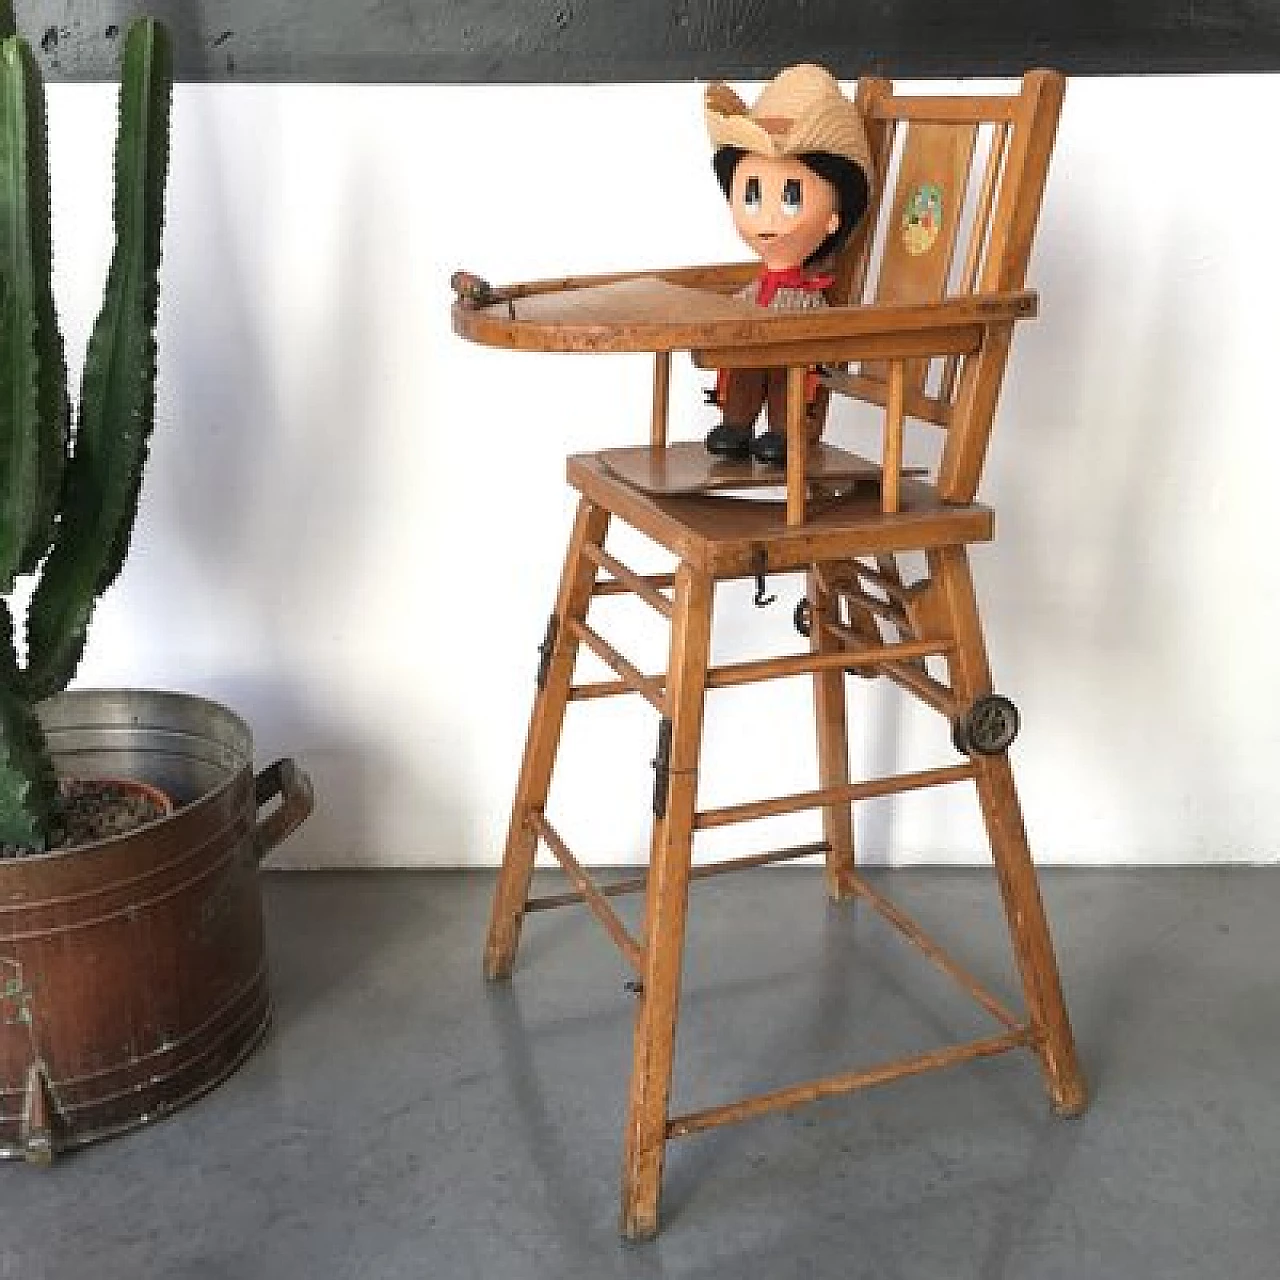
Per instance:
(576,41)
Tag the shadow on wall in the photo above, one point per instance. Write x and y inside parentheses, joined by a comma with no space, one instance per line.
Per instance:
(270,501)
(362,789)
(1104,513)
(1103,477)
(223,389)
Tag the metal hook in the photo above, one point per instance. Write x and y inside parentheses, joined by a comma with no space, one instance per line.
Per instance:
(759,562)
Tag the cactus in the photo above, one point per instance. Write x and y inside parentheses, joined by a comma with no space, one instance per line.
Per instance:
(68,498)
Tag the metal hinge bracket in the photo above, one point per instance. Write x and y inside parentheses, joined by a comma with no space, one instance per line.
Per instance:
(662,768)
(546,649)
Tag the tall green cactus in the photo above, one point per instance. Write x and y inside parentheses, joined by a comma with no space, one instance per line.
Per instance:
(68,499)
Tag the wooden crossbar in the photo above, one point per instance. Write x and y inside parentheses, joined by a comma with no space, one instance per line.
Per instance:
(634,884)
(930,691)
(797,1094)
(631,676)
(754,809)
(665,581)
(591,894)
(890,586)
(610,587)
(914,934)
(804,664)
(944,109)
(604,689)
(865,600)
(653,687)
(633,581)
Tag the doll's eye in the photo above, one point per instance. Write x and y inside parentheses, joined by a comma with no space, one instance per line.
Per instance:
(751,195)
(791,197)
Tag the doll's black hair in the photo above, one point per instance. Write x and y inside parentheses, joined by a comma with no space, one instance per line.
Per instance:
(853,191)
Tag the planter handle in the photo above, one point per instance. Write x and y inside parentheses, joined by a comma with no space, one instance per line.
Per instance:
(297,799)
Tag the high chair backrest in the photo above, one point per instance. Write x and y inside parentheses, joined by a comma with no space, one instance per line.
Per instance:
(958,198)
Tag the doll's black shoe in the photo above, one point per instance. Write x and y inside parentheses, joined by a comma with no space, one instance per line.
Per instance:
(770,448)
(727,441)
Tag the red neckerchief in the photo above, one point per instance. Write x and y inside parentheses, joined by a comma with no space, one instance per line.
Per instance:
(791,278)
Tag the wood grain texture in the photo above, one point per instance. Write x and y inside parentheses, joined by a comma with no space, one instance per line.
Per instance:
(797,446)
(1015,872)
(831,725)
(661,400)
(581,41)
(657,313)
(666,906)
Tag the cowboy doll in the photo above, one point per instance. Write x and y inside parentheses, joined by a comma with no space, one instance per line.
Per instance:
(796,169)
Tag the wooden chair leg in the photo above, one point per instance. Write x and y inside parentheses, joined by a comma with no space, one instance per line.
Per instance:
(831,718)
(512,889)
(1029,928)
(1019,887)
(665,907)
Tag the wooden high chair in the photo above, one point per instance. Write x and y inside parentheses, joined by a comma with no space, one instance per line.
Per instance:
(936,293)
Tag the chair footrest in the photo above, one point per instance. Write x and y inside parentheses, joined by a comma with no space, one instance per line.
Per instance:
(702,871)
(870,790)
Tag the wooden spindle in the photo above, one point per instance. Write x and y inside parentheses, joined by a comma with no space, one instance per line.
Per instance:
(977,240)
(661,399)
(891,490)
(797,444)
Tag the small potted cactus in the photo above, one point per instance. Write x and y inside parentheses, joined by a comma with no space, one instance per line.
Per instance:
(132,964)
(69,481)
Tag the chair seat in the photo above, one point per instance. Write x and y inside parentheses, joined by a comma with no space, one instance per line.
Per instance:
(686,468)
(726,535)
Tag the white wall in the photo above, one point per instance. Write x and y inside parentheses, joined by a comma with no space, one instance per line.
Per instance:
(354,521)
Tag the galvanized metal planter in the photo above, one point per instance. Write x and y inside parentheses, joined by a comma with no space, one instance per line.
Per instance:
(133,971)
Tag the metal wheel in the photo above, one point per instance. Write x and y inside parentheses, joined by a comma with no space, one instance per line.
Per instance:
(803,616)
(988,727)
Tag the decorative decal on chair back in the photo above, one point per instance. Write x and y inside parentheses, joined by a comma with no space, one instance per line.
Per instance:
(923,218)
(920,233)
(924,221)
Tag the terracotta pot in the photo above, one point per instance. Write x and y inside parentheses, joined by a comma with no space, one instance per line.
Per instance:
(133,970)
(140,791)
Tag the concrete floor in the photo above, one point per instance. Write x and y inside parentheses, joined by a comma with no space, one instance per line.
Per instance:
(406,1120)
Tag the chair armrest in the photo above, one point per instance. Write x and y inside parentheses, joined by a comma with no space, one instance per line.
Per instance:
(874,331)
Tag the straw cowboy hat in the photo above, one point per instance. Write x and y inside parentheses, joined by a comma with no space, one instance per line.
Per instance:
(801,109)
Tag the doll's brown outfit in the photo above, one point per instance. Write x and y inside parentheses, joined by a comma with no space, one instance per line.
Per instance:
(740,394)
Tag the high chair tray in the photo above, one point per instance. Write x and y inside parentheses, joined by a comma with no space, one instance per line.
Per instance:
(690,310)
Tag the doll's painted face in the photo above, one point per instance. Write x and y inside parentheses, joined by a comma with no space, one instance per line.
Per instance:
(782,209)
